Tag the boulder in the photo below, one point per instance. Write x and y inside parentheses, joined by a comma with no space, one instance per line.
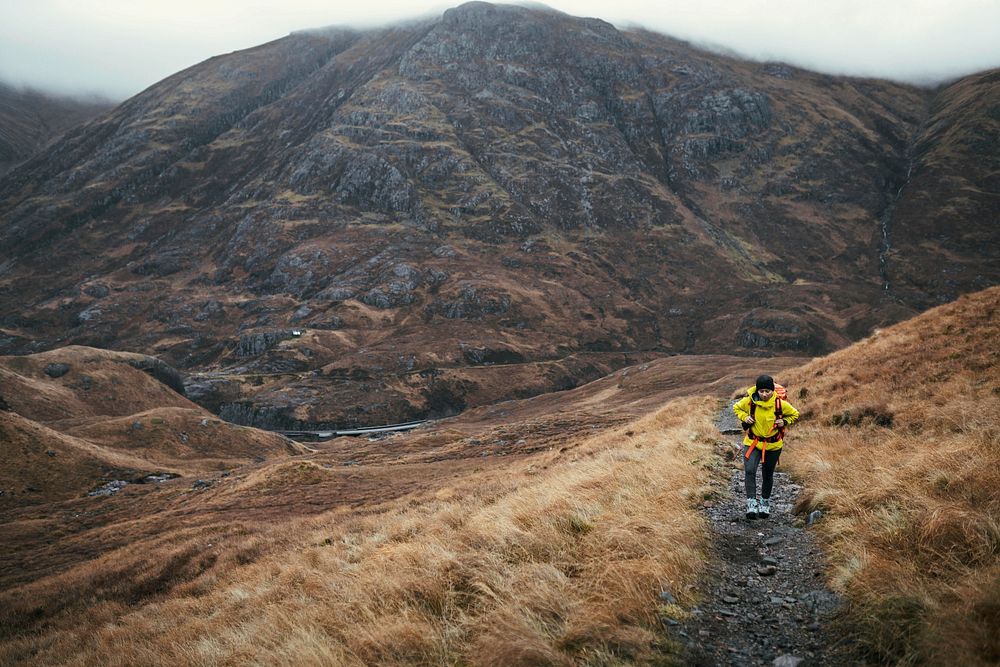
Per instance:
(56,370)
(97,291)
(109,489)
(210,310)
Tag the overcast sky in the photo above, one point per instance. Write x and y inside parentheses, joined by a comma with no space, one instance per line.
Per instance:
(119,47)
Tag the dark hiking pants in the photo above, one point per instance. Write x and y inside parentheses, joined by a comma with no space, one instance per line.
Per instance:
(750,466)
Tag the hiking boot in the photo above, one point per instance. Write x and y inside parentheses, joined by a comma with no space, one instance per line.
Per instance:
(764,508)
(751,508)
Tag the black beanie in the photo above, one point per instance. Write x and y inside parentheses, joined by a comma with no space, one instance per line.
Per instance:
(765,382)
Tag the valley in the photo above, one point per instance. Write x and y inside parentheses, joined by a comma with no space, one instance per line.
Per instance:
(450,542)
(498,185)
(556,250)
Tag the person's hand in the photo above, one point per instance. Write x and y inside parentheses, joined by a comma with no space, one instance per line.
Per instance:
(749,421)
(779,422)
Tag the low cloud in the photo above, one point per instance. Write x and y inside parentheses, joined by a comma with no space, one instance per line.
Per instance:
(918,41)
(119,47)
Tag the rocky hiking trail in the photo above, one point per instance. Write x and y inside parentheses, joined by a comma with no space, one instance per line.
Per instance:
(763,598)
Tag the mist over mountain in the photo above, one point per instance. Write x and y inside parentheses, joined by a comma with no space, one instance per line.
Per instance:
(121,48)
(361,226)
(29,119)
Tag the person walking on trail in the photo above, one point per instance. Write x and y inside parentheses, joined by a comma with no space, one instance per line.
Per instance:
(764,415)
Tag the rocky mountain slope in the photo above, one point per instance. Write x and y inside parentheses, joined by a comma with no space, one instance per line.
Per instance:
(492,204)
(941,234)
(30,119)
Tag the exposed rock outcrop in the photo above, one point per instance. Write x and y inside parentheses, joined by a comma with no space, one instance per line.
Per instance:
(160,370)
(56,370)
(256,344)
(500,177)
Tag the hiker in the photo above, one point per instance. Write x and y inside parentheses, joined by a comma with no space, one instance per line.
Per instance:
(765,415)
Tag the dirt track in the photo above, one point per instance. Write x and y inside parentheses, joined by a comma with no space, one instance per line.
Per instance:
(764,601)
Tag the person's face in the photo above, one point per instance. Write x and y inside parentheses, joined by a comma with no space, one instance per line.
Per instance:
(765,394)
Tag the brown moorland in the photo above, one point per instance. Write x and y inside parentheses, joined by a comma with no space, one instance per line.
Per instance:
(538,531)
(900,449)
(528,531)
(95,416)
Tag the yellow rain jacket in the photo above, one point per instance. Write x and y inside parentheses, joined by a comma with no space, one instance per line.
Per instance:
(763,426)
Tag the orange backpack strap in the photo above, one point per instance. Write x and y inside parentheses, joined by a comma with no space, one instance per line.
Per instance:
(749,430)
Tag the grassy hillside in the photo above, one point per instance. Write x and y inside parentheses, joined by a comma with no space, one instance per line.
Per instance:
(542,531)
(900,448)
(99,418)
(547,561)
(41,464)
(530,531)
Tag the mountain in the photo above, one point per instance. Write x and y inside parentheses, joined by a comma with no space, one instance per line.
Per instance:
(942,232)
(30,119)
(355,227)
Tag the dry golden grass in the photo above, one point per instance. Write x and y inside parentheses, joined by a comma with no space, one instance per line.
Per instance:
(900,447)
(556,560)
(106,420)
(72,467)
(170,436)
(556,557)
(99,382)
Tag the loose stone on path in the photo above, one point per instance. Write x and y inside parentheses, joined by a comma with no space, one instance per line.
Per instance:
(761,590)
